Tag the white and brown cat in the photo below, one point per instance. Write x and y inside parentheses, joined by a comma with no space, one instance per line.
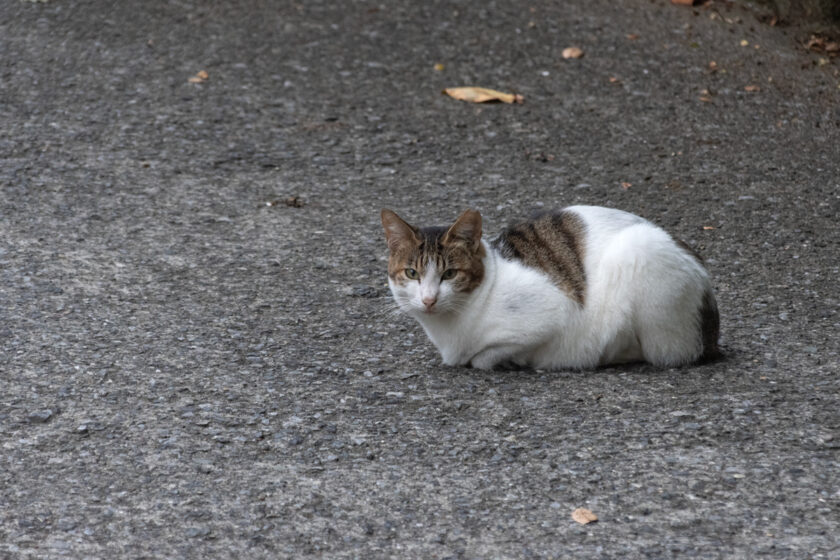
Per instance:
(576,288)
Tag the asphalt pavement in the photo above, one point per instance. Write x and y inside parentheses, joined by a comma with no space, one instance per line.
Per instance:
(199,357)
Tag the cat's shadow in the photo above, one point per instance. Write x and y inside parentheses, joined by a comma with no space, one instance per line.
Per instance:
(640,367)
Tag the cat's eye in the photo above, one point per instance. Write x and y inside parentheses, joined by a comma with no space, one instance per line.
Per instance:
(448,274)
(411,273)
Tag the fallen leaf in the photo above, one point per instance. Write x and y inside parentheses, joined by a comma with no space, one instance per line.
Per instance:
(632,36)
(708,227)
(614,80)
(200,77)
(572,52)
(818,43)
(584,516)
(713,66)
(745,43)
(482,95)
(293,201)
(752,88)
(439,67)
(625,185)
(684,2)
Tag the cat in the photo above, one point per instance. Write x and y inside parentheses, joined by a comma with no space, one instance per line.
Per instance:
(577,288)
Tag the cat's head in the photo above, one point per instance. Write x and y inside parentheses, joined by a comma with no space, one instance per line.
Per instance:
(432,270)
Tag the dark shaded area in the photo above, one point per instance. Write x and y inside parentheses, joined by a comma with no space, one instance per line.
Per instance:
(818,13)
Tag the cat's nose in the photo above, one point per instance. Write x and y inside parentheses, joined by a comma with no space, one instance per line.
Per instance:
(429,302)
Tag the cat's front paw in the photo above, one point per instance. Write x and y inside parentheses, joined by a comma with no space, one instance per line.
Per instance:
(482,362)
(495,357)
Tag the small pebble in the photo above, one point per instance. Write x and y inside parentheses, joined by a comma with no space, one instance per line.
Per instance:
(40,416)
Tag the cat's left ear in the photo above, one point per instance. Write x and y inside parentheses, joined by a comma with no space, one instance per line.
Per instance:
(467,228)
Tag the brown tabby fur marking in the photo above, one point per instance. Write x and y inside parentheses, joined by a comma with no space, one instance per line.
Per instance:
(552,242)
(446,248)
(709,317)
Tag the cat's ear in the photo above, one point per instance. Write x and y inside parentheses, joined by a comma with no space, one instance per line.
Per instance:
(397,231)
(467,228)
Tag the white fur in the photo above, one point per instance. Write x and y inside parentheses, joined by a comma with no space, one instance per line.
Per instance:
(642,300)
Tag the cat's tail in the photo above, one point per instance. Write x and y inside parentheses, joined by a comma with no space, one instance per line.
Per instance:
(709,328)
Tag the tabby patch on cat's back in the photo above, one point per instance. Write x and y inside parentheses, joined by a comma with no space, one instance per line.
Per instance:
(574,288)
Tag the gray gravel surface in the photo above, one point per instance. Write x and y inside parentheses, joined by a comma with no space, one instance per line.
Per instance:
(197,364)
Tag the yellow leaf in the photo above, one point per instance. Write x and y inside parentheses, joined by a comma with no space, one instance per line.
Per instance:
(572,52)
(745,43)
(439,67)
(584,516)
(482,95)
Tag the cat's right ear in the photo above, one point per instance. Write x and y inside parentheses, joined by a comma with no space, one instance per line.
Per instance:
(397,231)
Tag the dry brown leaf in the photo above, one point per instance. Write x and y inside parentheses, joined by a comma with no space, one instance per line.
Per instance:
(200,77)
(752,88)
(584,516)
(482,95)
(625,185)
(815,43)
(632,36)
(684,2)
(572,52)
(708,227)
(614,80)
